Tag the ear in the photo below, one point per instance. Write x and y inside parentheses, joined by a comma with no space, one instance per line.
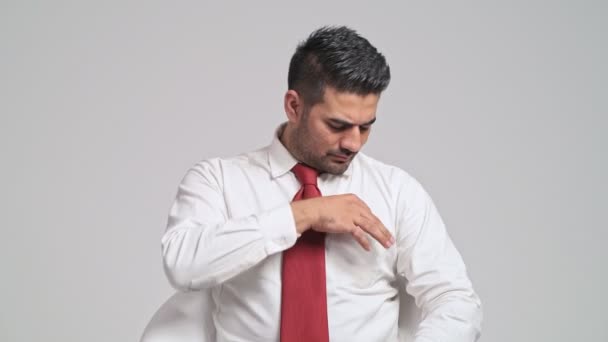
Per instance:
(293,105)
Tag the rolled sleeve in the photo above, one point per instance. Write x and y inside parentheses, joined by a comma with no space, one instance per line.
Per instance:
(279,229)
(436,274)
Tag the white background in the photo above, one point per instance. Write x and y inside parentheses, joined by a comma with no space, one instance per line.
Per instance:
(498,108)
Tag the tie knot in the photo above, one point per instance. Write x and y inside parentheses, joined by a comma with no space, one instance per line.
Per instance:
(305,174)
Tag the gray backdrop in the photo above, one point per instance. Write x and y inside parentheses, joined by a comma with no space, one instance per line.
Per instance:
(498,108)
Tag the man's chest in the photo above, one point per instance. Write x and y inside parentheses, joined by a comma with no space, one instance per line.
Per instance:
(347,263)
(354,276)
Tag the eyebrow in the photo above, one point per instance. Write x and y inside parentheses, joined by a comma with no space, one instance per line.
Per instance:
(350,124)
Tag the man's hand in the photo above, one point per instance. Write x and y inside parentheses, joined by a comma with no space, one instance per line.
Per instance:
(341,214)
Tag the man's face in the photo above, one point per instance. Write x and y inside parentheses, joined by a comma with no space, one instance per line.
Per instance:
(329,136)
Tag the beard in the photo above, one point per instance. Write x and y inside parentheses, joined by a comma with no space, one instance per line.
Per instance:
(304,149)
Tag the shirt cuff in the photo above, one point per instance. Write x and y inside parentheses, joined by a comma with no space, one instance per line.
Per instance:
(279,228)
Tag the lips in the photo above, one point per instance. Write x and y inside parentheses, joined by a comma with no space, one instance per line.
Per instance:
(340,157)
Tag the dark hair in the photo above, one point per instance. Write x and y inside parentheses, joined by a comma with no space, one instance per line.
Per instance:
(340,58)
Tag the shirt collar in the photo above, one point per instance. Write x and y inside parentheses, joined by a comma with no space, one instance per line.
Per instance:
(281,161)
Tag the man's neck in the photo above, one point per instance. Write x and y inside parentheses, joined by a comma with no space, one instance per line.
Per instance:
(284,135)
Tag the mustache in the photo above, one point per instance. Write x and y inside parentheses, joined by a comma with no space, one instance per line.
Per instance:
(342,153)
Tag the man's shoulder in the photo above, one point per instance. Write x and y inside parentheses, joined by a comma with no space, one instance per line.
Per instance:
(245,161)
(368,165)
(391,178)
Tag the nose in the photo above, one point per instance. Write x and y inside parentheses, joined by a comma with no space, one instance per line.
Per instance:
(351,140)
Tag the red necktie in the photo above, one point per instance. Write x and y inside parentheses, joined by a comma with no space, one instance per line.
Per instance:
(304,296)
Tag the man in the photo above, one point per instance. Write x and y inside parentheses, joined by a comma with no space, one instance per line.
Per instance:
(304,240)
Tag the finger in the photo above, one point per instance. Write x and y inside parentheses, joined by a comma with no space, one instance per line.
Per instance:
(377,223)
(374,227)
(371,223)
(373,220)
(361,238)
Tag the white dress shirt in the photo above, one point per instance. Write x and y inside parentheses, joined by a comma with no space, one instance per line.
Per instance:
(231,220)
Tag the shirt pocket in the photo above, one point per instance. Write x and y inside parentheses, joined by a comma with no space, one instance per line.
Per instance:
(349,265)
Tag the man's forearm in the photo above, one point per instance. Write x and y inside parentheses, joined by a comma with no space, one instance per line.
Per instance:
(454,320)
(304,215)
(198,256)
